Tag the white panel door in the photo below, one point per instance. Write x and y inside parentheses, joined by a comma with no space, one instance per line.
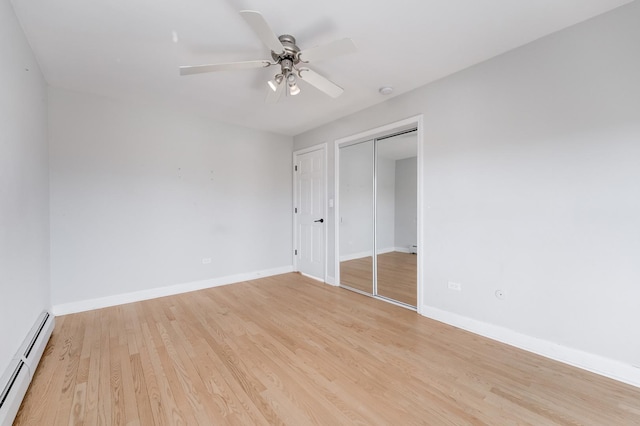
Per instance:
(309,211)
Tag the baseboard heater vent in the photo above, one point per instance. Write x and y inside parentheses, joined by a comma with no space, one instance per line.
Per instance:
(16,379)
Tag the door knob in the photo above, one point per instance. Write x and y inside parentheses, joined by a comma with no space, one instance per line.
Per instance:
(319,220)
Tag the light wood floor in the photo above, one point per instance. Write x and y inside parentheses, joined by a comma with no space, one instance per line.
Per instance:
(288,350)
(358,274)
(397,276)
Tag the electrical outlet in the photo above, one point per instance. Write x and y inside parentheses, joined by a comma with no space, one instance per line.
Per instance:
(454,286)
(500,294)
(206,260)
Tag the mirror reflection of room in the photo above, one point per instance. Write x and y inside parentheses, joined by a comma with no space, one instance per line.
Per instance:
(379,176)
(356,216)
(396,218)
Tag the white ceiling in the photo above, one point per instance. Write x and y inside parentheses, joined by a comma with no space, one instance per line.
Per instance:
(125,48)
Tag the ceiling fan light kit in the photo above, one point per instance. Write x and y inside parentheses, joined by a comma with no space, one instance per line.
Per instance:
(273,84)
(286,53)
(293,86)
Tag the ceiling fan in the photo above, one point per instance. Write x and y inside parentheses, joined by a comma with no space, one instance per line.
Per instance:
(285,53)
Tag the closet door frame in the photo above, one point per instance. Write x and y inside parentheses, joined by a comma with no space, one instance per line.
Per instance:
(379,132)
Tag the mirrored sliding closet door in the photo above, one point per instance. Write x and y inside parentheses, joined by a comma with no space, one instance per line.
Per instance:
(356,216)
(378,217)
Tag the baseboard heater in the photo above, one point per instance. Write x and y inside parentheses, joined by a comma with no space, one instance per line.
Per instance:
(16,379)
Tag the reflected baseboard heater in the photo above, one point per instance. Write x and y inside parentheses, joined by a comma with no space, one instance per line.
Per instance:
(15,381)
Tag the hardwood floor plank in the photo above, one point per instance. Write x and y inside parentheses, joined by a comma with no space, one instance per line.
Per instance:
(140,391)
(104,377)
(78,409)
(118,416)
(173,406)
(289,350)
(148,384)
(70,356)
(131,414)
(93,342)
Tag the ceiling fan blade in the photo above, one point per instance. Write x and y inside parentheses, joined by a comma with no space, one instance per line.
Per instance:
(336,48)
(320,82)
(231,66)
(274,95)
(262,29)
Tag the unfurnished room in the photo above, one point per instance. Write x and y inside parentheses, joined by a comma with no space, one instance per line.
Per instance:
(330,213)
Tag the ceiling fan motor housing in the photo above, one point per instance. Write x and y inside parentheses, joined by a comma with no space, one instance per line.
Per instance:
(291,50)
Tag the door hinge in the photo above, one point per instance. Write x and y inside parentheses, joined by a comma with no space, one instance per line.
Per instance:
(295,168)
(295,252)
(295,210)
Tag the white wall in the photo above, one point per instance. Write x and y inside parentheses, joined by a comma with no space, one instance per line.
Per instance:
(531,172)
(406,203)
(141,194)
(356,201)
(24,210)
(385,204)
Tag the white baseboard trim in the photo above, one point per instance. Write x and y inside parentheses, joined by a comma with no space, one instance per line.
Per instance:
(358,255)
(402,249)
(587,361)
(152,293)
(311,276)
(362,254)
(331,281)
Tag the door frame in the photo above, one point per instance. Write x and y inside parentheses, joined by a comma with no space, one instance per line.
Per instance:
(394,127)
(324,148)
